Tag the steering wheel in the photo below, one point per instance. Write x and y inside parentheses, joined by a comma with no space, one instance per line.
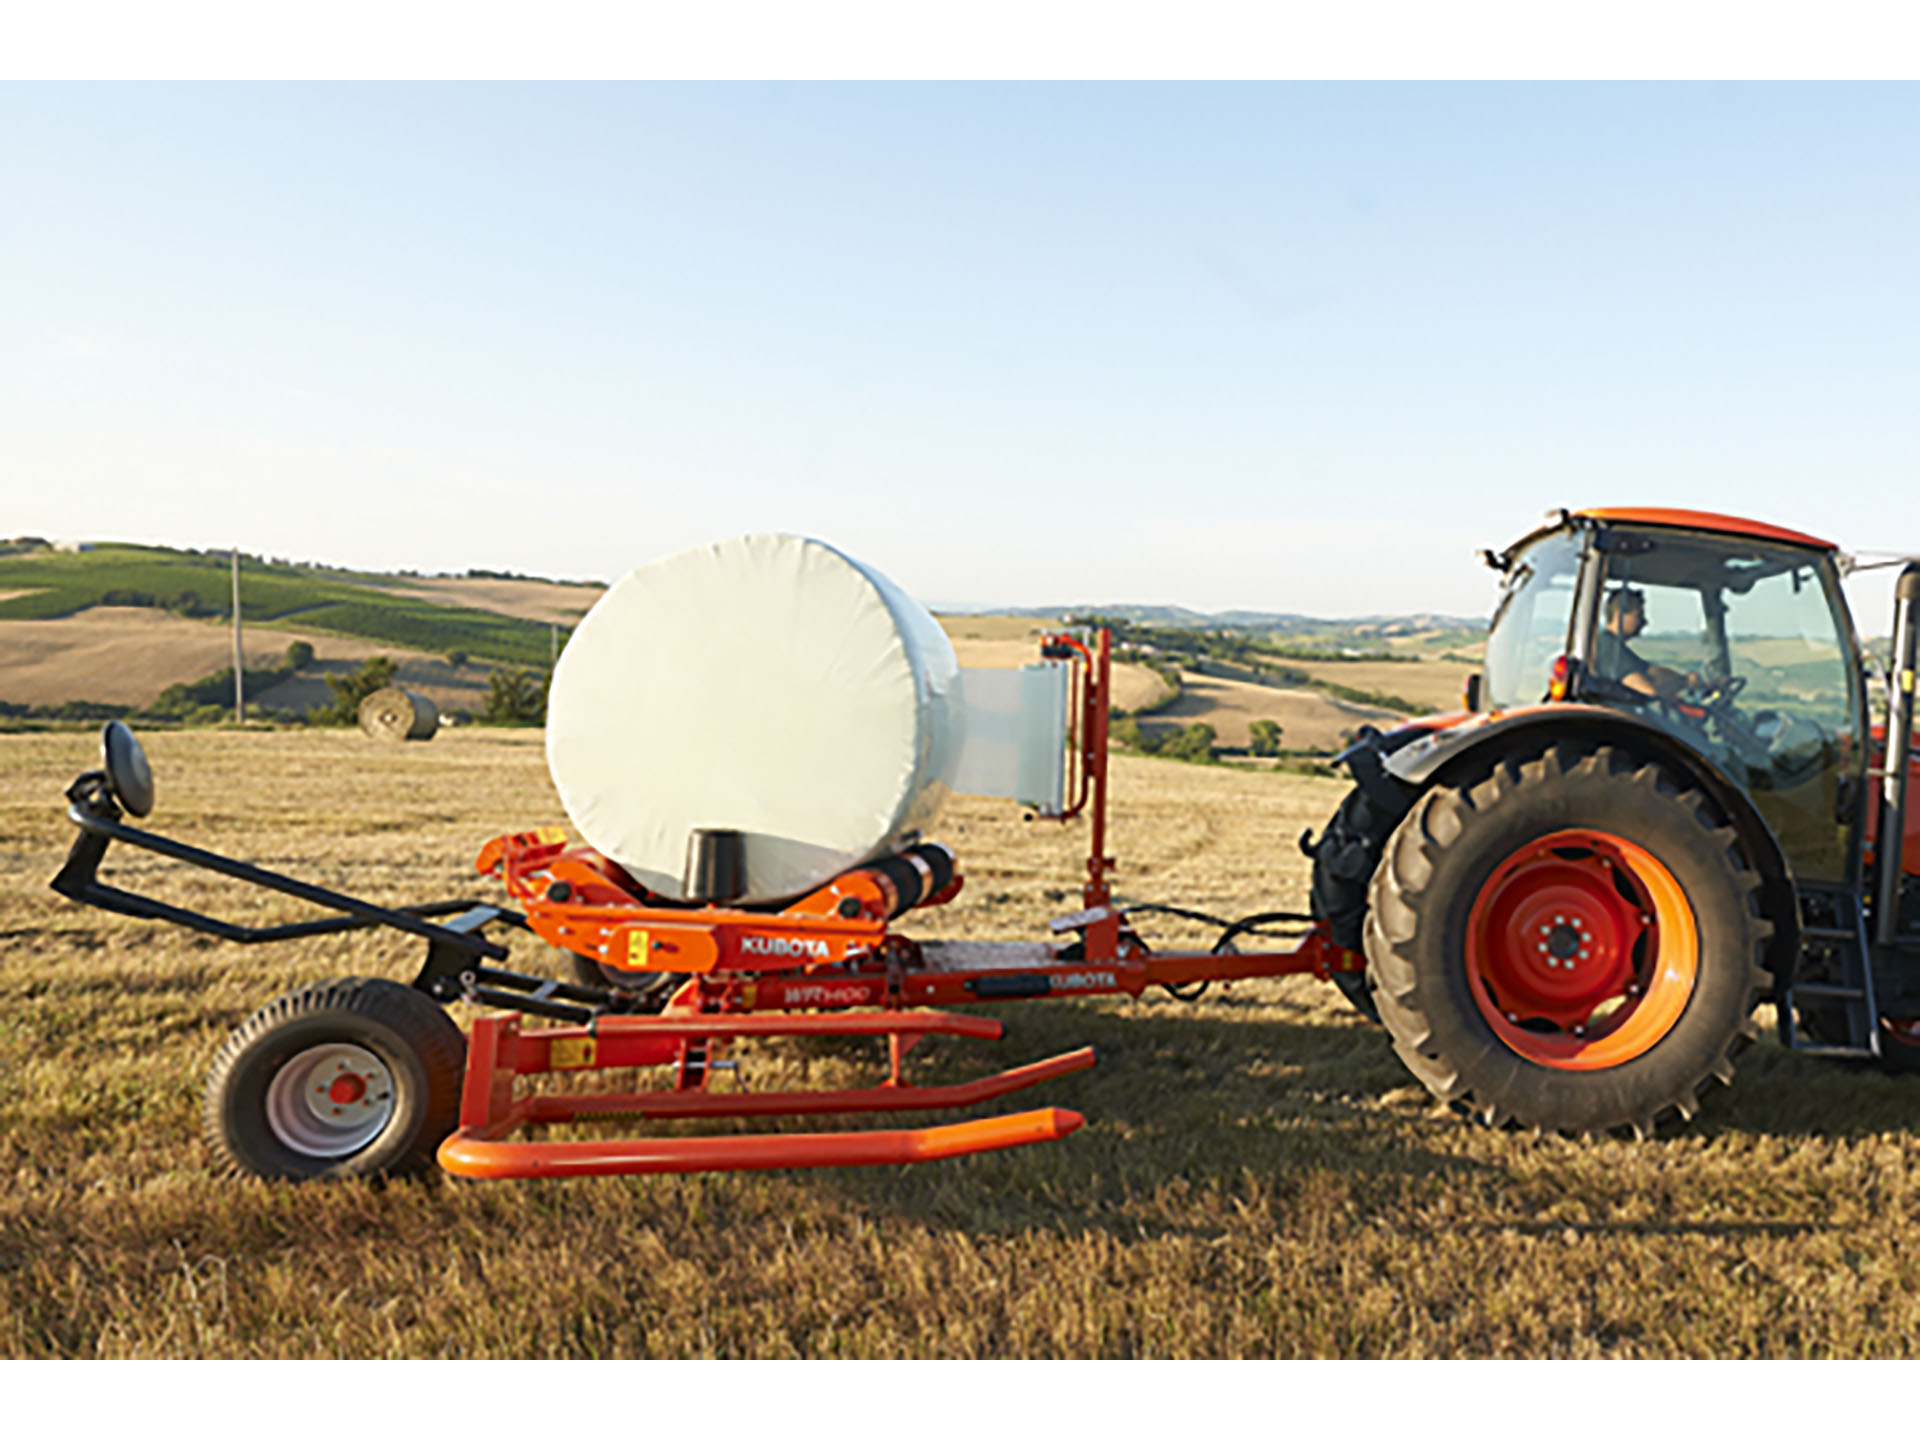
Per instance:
(1715,695)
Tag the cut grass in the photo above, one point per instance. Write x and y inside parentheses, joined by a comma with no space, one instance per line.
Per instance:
(1259,1176)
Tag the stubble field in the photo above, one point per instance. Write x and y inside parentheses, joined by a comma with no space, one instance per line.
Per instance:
(1258,1176)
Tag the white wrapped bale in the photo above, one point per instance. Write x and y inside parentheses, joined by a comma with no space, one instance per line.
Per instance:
(769,685)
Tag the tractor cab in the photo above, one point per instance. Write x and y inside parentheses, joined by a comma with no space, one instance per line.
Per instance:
(1730,635)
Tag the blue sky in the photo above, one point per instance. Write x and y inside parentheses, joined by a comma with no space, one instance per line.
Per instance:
(1278,346)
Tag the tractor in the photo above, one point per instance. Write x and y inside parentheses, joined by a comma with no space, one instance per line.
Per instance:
(1658,807)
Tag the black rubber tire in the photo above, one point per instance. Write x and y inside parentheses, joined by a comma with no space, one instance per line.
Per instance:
(1344,860)
(647,990)
(1435,865)
(418,1043)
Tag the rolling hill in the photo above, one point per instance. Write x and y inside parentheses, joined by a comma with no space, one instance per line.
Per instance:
(117,624)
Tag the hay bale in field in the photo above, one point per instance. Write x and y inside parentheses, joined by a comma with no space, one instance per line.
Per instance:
(396,714)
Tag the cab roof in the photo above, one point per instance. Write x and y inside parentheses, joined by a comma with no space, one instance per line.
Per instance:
(1703,520)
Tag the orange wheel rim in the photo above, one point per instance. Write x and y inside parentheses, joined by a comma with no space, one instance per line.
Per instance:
(1582,950)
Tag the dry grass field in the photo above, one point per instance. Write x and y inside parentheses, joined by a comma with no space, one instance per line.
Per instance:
(540,600)
(1435,685)
(126,655)
(1258,1176)
(1308,719)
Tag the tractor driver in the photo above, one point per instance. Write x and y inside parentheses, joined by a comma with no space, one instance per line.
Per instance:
(1625,613)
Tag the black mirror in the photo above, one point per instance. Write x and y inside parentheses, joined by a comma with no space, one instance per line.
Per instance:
(1470,693)
(127,770)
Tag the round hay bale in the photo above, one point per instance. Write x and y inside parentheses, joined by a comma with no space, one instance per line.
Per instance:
(396,714)
(767,685)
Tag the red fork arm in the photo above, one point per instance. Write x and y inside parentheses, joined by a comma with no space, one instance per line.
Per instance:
(498,1052)
(470,1154)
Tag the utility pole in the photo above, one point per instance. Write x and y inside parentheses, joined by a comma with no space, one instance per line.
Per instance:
(553,643)
(239,659)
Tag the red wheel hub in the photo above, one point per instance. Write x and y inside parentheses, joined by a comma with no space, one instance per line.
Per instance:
(1581,950)
(1558,937)
(346,1089)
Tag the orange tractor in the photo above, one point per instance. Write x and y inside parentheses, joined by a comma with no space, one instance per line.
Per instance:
(1563,903)
(1659,807)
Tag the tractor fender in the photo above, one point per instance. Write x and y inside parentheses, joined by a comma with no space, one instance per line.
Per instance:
(1457,751)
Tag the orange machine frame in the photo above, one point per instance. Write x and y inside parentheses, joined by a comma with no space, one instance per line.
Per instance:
(829,952)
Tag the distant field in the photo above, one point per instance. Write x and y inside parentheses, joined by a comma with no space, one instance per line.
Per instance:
(992,627)
(49,586)
(1259,1176)
(537,600)
(1308,719)
(60,639)
(1005,642)
(126,655)
(1434,685)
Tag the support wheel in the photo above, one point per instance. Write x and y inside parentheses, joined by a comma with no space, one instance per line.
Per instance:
(342,1079)
(1573,944)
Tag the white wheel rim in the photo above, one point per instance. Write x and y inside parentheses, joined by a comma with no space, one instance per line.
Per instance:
(330,1100)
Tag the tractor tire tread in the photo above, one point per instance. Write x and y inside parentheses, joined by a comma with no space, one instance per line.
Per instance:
(1481,1078)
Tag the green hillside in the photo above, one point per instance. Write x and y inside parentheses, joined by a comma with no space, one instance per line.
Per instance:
(193,584)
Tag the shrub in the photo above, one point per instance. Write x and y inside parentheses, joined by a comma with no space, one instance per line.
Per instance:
(1193,743)
(1127,732)
(1264,737)
(516,697)
(299,655)
(349,690)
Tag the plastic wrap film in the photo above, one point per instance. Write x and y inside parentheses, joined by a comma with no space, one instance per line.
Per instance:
(769,685)
(1016,735)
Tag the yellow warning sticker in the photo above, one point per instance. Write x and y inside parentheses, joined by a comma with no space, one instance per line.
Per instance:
(574,1054)
(550,835)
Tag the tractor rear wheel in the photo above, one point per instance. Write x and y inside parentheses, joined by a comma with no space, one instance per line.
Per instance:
(1572,944)
(342,1079)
